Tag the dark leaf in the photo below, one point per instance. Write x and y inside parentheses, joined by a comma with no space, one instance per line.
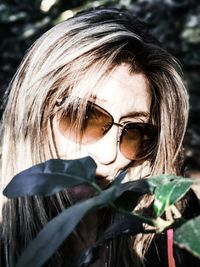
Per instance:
(129,224)
(43,246)
(188,236)
(119,178)
(52,176)
(130,192)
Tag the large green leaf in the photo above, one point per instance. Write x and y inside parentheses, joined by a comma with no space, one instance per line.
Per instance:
(182,186)
(52,176)
(159,180)
(162,198)
(168,189)
(188,236)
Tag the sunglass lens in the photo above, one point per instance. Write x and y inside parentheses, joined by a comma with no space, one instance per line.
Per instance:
(138,140)
(96,123)
(130,142)
(67,122)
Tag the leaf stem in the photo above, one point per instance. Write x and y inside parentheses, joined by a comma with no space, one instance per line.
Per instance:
(96,187)
(176,212)
(145,219)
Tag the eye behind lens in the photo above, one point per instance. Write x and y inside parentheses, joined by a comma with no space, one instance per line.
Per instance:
(148,148)
(138,140)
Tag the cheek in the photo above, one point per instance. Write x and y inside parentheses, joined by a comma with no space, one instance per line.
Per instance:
(101,157)
(63,145)
(123,162)
(66,148)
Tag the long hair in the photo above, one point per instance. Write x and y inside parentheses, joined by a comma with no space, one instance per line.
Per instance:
(71,59)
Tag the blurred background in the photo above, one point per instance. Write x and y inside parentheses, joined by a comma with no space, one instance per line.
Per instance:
(176,23)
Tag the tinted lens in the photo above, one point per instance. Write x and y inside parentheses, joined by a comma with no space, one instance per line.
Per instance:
(95,124)
(138,140)
(67,122)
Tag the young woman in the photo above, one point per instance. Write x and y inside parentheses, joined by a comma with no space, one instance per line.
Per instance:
(95,85)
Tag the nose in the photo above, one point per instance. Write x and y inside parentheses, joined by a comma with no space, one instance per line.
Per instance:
(105,150)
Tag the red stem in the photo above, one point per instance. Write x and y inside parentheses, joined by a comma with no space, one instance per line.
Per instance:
(171,261)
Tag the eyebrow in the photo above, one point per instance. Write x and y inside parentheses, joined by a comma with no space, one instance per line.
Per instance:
(133,114)
(137,114)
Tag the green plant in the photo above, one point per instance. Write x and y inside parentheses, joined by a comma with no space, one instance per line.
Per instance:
(54,175)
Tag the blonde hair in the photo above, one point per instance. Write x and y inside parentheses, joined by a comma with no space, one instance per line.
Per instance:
(70,59)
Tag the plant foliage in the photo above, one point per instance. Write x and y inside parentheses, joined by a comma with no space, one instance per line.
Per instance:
(54,175)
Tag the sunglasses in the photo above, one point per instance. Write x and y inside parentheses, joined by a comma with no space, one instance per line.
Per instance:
(136,140)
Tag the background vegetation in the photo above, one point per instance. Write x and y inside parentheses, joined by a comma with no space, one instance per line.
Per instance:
(176,23)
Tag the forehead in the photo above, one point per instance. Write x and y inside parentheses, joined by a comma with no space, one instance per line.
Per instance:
(124,92)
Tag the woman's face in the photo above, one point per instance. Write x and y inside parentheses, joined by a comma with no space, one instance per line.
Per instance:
(126,96)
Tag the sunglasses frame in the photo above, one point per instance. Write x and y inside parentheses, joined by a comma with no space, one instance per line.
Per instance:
(149,128)
(123,127)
